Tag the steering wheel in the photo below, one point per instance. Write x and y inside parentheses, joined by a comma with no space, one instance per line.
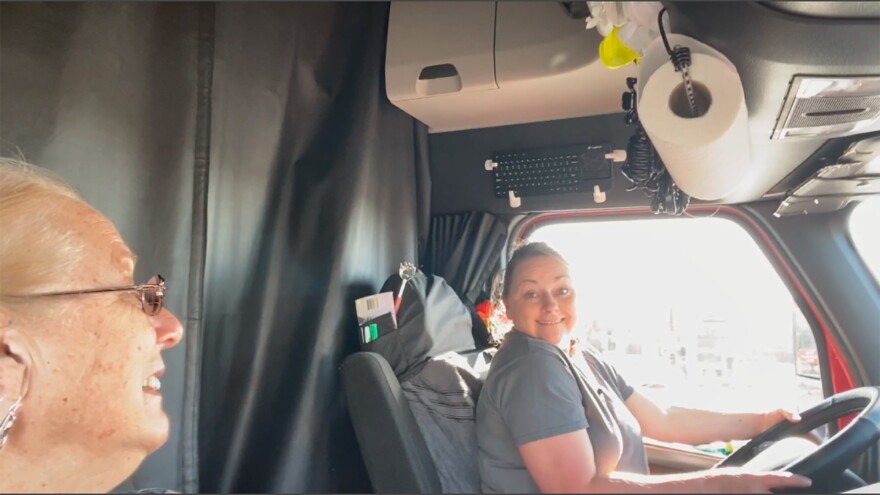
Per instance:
(835,454)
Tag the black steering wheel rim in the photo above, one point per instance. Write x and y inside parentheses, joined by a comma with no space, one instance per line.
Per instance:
(836,453)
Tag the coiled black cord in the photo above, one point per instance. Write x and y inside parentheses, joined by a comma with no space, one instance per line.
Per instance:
(644,168)
(640,159)
(669,198)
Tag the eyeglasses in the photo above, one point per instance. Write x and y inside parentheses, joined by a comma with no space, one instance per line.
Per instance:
(151,294)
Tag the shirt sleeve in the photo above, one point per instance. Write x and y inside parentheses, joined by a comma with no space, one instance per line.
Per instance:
(611,375)
(625,389)
(539,398)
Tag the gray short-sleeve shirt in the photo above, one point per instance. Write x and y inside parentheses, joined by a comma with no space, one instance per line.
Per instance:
(532,393)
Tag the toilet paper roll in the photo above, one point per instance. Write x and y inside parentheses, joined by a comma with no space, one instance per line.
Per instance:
(707,156)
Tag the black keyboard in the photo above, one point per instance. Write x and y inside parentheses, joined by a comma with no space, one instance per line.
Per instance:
(551,170)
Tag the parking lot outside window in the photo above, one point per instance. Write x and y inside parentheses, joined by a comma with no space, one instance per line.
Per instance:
(690,310)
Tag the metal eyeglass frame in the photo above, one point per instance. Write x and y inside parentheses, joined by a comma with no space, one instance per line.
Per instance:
(151,294)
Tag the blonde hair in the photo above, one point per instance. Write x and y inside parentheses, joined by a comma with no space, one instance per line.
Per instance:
(36,248)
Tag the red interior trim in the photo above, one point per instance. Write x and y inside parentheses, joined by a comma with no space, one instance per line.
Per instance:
(841,374)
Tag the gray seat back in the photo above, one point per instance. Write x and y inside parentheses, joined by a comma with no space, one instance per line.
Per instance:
(412,396)
(443,398)
(418,436)
(394,450)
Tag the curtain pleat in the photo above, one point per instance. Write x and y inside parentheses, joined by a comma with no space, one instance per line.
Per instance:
(313,203)
(465,249)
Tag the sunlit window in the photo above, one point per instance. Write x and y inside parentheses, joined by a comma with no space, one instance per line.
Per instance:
(864,226)
(691,311)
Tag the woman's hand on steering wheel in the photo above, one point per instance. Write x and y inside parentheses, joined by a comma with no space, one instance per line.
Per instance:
(733,480)
(771,418)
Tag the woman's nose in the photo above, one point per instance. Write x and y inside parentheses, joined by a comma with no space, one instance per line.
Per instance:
(549,303)
(169,331)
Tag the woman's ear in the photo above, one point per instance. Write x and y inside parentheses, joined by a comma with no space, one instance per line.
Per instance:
(16,370)
(16,363)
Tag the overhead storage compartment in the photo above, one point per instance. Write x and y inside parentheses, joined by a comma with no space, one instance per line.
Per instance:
(465,65)
(437,48)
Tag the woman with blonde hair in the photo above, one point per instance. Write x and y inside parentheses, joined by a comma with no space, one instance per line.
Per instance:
(80,343)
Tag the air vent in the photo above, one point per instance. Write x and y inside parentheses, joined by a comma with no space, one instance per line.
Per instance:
(826,107)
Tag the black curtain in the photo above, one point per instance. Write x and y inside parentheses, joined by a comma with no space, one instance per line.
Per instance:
(248,152)
(312,204)
(465,249)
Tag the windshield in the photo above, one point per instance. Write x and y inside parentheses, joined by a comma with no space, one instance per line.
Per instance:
(864,226)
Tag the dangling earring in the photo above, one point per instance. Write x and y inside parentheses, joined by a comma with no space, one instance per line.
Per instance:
(8,422)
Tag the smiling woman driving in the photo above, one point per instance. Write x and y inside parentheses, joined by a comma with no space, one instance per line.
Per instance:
(80,343)
(551,422)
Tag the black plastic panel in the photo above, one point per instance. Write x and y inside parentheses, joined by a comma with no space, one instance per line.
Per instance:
(461,182)
(827,154)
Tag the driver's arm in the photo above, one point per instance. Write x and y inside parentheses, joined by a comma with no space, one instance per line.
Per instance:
(565,464)
(696,426)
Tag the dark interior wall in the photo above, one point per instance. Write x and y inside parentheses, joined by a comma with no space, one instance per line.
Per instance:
(461,183)
(104,95)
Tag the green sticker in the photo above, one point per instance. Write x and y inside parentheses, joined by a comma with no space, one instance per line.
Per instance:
(374,331)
